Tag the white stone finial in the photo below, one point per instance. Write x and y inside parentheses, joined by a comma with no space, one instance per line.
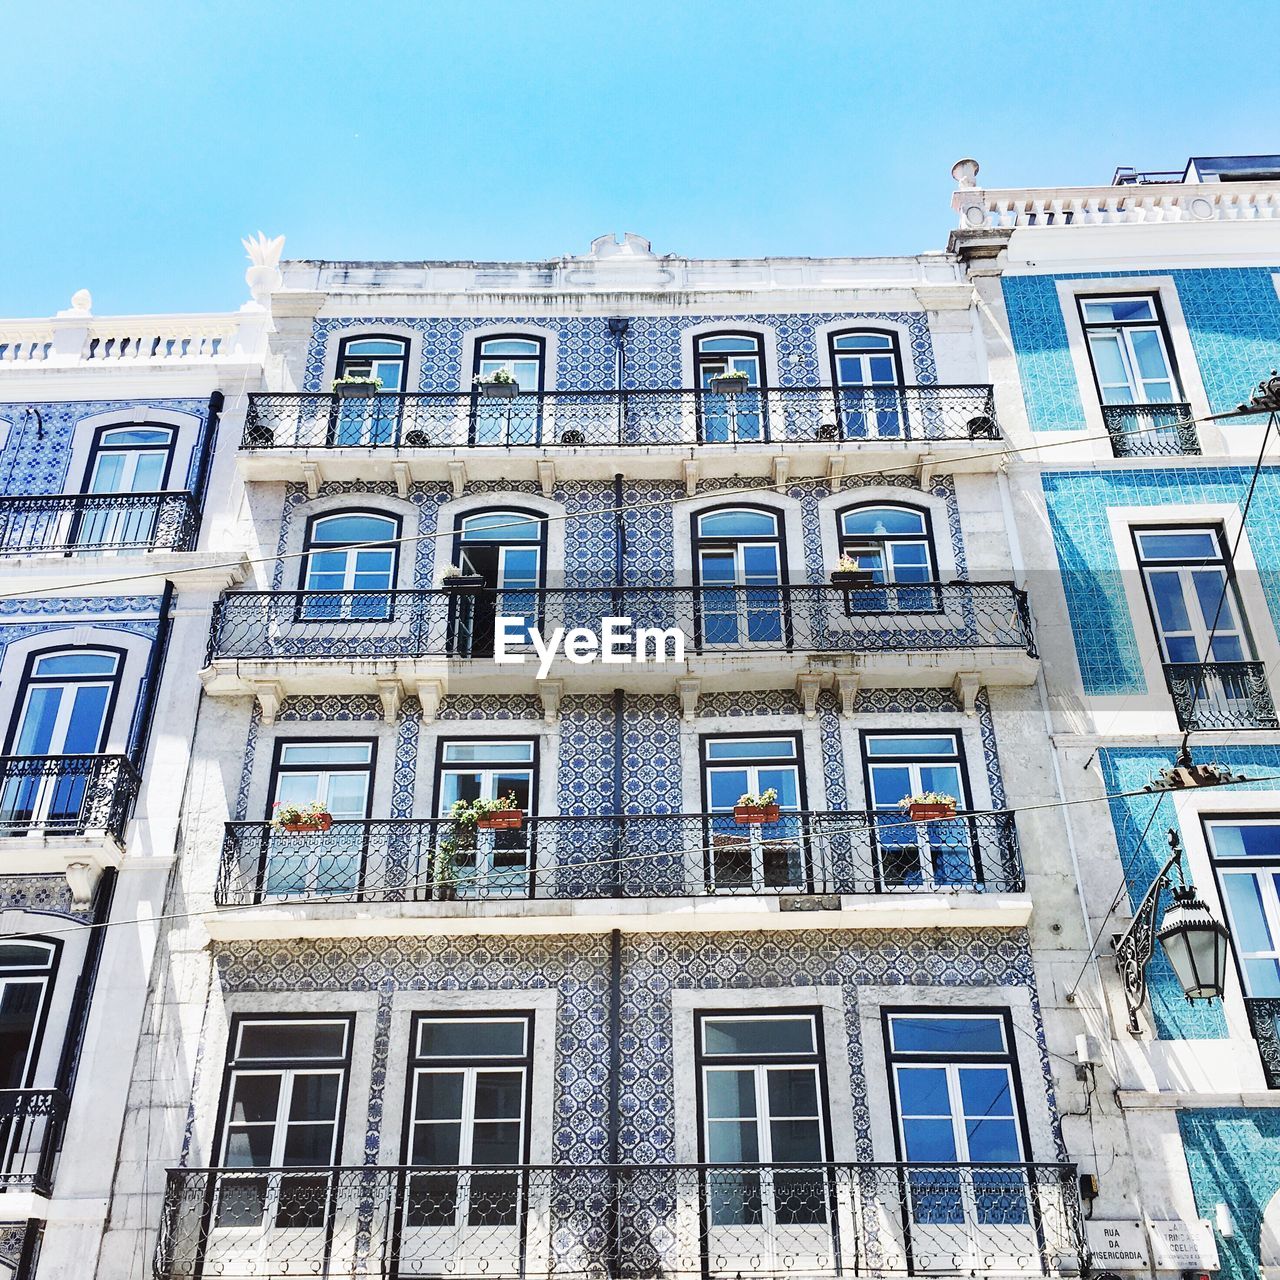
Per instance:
(82,301)
(965,172)
(264,275)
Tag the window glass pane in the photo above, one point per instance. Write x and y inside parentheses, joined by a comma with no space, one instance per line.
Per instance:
(941,1034)
(315,1097)
(1108,359)
(726,786)
(796,1140)
(436,1144)
(1169,601)
(995,1140)
(889,784)
(1149,353)
(1179,544)
(758,1035)
(1111,310)
(18,955)
(985,1091)
(504,526)
(326,753)
(471,1038)
(729,342)
(347,795)
(941,745)
(737,524)
(751,748)
(863,341)
(473,752)
(254,1099)
(292,1040)
(374,347)
(1245,839)
(499,1095)
(249,1148)
(785,782)
(732,1142)
(439,1095)
(88,710)
(307,1145)
(76,664)
(1248,918)
(126,436)
(496,1143)
(353,528)
(922,1091)
(730,1094)
(929,1141)
(510,347)
(882,520)
(793,1091)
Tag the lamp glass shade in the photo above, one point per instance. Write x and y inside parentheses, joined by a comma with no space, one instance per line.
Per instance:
(1196,945)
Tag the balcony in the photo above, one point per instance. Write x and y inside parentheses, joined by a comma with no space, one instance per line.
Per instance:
(586,429)
(1221,695)
(588,870)
(1264,1022)
(742,1221)
(1151,430)
(94,523)
(31,1126)
(922,634)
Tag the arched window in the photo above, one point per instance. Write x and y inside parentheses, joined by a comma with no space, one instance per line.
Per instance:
(26,971)
(730,412)
(866,371)
(131,459)
(371,420)
(519,420)
(353,552)
(381,356)
(505,548)
(894,542)
(739,562)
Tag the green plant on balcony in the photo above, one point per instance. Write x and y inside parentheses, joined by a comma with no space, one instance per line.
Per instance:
(293,817)
(356,386)
(730,380)
(501,383)
(503,813)
(849,573)
(755,810)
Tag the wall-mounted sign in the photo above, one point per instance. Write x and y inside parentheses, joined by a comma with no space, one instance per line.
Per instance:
(1187,1246)
(1118,1246)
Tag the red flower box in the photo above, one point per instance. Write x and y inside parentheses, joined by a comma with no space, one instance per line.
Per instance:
(755,815)
(501,820)
(321,822)
(931,812)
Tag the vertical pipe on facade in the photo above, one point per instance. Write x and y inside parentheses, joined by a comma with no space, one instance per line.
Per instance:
(78,1017)
(32,1235)
(615,1064)
(140,730)
(204,463)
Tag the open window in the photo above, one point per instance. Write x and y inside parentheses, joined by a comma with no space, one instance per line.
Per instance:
(739,562)
(731,412)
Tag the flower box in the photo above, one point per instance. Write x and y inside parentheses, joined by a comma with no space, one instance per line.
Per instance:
(499,390)
(501,820)
(923,811)
(847,578)
(755,815)
(464,582)
(726,382)
(321,822)
(355,390)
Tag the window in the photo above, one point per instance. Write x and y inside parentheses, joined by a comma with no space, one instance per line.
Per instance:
(488,863)
(384,358)
(371,420)
(26,972)
(753,858)
(507,549)
(63,708)
(737,417)
(339,559)
(866,371)
(132,459)
(519,420)
(895,543)
(338,775)
(1129,350)
(956,1101)
(917,853)
(738,558)
(1246,859)
(468,1111)
(763,1103)
(285,1092)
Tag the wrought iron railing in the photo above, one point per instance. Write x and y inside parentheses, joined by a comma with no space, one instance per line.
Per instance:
(629,856)
(1151,430)
(66,795)
(463,624)
(31,1127)
(751,1221)
(1264,1022)
(620,419)
(94,522)
(1221,695)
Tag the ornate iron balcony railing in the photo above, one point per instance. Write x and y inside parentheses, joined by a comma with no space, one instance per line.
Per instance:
(66,795)
(753,1221)
(1151,430)
(1264,1022)
(31,1126)
(95,522)
(1221,695)
(620,419)
(461,624)
(628,856)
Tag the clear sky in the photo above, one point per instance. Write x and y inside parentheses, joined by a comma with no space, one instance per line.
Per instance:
(142,140)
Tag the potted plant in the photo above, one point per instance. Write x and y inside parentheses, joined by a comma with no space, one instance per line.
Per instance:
(501,384)
(356,386)
(730,380)
(929,806)
(444,868)
(453,579)
(292,817)
(572,436)
(849,573)
(416,438)
(500,814)
(753,811)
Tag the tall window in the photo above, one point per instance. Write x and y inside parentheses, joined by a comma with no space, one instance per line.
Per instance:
(26,972)
(738,556)
(286,1086)
(763,1103)
(384,358)
(1246,858)
(338,558)
(372,420)
(339,776)
(956,1102)
(867,373)
(940,852)
(730,417)
(894,542)
(468,1113)
(747,858)
(488,863)
(519,420)
(132,459)
(1127,345)
(507,549)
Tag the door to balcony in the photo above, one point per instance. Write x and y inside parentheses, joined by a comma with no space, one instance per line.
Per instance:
(739,557)
(125,460)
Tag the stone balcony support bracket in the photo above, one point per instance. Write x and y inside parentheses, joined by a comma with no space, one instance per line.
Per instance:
(551,691)
(689,688)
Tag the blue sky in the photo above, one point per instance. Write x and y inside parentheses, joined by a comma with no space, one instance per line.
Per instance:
(144,139)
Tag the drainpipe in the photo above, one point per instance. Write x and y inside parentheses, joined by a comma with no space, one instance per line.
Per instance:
(140,730)
(204,461)
(615,1037)
(618,326)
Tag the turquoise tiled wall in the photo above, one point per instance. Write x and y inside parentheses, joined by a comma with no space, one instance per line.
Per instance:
(1232,314)
(1233,1157)
(1106,645)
